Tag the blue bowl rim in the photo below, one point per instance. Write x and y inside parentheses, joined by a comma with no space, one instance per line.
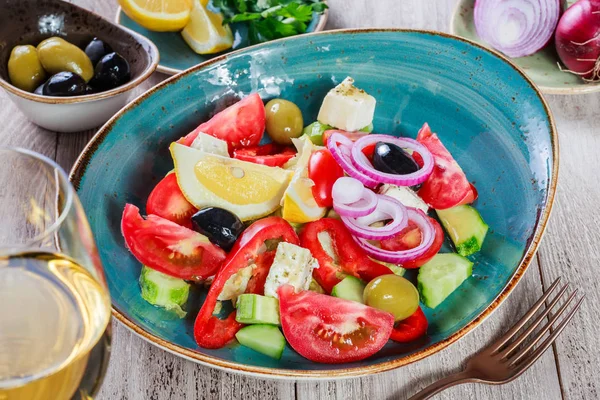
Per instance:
(80,166)
(173,71)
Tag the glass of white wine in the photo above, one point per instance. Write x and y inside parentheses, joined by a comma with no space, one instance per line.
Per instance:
(54,303)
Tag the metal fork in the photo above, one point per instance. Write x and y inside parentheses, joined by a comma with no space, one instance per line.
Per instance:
(508,357)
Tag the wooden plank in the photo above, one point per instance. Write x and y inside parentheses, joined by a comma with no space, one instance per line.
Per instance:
(138,370)
(570,247)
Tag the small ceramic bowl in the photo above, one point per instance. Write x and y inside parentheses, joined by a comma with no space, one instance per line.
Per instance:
(31,21)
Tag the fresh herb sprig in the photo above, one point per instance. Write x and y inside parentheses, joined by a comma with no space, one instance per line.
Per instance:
(270,19)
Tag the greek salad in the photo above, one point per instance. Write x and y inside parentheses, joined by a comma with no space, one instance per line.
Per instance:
(305,240)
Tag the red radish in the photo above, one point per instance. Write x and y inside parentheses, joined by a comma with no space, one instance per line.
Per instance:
(578,39)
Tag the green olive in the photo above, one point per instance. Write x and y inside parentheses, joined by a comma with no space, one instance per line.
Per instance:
(24,68)
(58,55)
(284,121)
(394,294)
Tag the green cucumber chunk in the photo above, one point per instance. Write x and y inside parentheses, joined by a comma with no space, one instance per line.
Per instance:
(441,276)
(165,291)
(315,131)
(315,287)
(465,227)
(350,288)
(266,339)
(257,309)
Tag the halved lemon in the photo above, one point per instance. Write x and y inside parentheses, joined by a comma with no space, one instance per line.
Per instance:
(158,15)
(299,205)
(246,189)
(205,33)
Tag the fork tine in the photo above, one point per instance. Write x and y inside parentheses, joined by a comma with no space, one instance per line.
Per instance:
(540,334)
(537,353)
(508,335)
(525,334)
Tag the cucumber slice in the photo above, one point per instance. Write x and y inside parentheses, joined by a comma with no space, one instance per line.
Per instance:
(266,339)
(441,276)
(315,287)
(257,309)
(315,131)
(350,288)
(465,227)
(164,291)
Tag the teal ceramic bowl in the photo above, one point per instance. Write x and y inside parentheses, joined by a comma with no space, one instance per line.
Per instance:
(487,112)
(176,55)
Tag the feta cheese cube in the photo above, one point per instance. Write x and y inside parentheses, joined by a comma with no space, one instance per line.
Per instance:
(346,107)
(293,265)
(405,196)
(210,144)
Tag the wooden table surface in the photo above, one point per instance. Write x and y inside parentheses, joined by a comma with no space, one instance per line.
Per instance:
(570,249)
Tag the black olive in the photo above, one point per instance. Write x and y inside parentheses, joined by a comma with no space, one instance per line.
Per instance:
(111,71)
(220,226)
(39,90)
(97,49)
(64,84)
(392,159)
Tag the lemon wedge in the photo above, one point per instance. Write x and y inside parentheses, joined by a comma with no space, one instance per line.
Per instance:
(246,189)
(205,33)
(299,205)
(158,15)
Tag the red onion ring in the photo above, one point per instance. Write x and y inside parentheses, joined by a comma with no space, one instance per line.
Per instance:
(387,208)
(339,146)
(362,163)
(398,257)
(516,28)
(366,205)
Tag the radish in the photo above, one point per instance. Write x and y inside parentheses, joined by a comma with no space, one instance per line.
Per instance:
(578,39)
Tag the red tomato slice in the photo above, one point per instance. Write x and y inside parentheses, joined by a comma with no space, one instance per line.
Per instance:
(447,186)
(323,170)
(240,125)
(354,136)
(270,154)
(409,238)
(169,248)
(167,201)
(330,330)
(411,328)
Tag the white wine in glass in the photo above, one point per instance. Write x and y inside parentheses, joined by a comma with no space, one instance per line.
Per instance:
(54,304)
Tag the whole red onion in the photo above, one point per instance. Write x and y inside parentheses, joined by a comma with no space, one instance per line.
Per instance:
(578,39)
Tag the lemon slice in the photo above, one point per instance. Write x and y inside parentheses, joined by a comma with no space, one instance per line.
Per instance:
(158,15)
(205,33)
(299,205)
(246,189)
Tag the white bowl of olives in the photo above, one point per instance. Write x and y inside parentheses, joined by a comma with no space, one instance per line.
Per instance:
(69,70)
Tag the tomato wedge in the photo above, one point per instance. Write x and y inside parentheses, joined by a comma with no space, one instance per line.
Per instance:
(323,170)
(271,154)
(447,186)
(349,257)
(327,329)
(411,328)
(251,248)
(167,201)
(409,238)
(240,125)
(169,248)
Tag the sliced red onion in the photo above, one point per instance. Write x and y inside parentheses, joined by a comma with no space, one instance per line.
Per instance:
(347,190)
(339,146)
(516,28)
(364,206)
(398,257)
(362,163)
(387,208)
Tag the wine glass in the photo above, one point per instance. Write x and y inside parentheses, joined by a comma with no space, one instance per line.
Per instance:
(54,303)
